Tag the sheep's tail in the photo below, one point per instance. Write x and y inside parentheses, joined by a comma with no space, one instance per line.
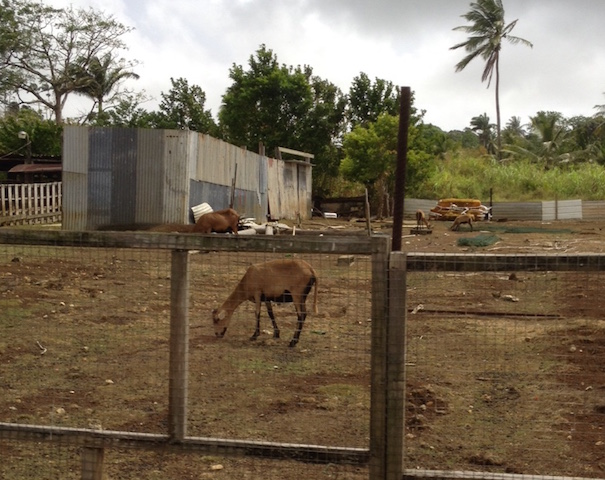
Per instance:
(315,309)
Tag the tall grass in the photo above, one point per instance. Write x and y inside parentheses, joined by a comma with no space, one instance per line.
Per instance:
(466,176)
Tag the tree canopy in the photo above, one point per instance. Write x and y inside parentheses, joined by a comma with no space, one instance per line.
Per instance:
(49,53)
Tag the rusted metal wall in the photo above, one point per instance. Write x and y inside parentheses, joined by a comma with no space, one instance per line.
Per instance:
(123,176)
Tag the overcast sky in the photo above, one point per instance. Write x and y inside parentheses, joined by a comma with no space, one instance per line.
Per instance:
(406,42)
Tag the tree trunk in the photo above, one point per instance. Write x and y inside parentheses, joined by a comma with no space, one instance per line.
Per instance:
(498,125)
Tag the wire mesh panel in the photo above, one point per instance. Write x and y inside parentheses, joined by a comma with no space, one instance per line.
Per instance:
(85,338)
(505,371)
(316,392)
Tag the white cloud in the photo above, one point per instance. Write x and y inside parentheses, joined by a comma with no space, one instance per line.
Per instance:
(407,43)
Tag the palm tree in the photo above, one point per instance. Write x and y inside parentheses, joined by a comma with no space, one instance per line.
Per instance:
(99,77)
(484,130)
(600,109)
(487,30)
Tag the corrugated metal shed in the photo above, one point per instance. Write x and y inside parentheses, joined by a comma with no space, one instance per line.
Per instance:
(122,176)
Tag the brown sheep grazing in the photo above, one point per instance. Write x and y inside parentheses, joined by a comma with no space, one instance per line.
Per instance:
(221,221)
(460,219)
(421,220)
(287,280)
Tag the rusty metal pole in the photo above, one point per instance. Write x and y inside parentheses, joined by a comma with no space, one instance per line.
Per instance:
(402,152)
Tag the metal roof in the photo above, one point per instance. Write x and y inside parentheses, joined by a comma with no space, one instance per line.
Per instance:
(37,168)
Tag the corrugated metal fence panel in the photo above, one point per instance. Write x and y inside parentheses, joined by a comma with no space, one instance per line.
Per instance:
(411,205)
(274,189)
(75,149)
(248,166)
(155,176)
(305,186)
(561,210)
(289,186)
(215,161)
(263,184)
(75,205)
(75,178)
(99,177)
(150,178)
(176,187)
(124,173)
(593,210)
(217,196)
(517,211)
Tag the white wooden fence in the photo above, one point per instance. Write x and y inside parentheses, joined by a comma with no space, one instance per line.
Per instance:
(30,203)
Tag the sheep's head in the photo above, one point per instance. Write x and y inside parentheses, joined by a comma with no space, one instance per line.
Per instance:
(220,320)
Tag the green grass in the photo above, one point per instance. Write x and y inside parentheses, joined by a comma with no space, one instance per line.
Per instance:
(524,229)
(481,240)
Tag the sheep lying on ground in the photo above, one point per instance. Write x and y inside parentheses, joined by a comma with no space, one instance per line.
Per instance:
(220,221)
(421,220)
(460,219)
(288,280)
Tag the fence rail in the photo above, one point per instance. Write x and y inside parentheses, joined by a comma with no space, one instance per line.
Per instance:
(30,203)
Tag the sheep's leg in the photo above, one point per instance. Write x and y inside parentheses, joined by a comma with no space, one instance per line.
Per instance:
(272,317)
(257,330)
(302,315)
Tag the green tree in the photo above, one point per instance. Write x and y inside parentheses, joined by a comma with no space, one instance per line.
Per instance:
(514,133)
(44,135)
(484,130)
(99,80)
(183,108)
(45,46)
(371,159)
(8,29)
(321,131)
(465,139)
(265,103)
(588,137)
(600,110)
(487,32)
(129,113)
(279,105)
(548,142)
(367,100)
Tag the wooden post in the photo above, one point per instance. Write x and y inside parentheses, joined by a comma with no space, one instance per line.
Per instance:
(367,212)
(395,367)
(92,463)
(402,159)
(179,345)
(378,419)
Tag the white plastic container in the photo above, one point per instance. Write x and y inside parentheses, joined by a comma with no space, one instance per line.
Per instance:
(200,210)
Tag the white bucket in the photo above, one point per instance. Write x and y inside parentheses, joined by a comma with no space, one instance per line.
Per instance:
(200,210)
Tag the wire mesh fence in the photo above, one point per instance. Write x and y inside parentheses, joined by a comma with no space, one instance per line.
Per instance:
(503,366)
(85,345)
(505,371)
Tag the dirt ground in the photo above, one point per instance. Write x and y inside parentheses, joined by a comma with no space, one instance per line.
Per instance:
(505,369)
